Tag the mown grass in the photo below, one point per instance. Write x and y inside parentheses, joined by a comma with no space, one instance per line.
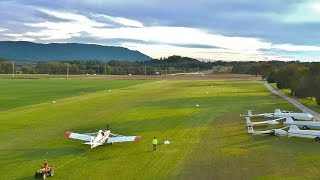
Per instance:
(22,92)
(208,141)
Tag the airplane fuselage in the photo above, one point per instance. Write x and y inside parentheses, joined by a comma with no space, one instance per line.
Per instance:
(304,133)
(301,116)
(304,124)
(101,138)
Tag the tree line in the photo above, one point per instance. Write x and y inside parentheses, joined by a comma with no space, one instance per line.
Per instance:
(302,78)
(169,65)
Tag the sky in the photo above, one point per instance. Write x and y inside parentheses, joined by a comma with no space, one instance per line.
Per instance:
(204,29)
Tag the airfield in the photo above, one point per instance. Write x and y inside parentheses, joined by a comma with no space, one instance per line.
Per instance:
(208,141)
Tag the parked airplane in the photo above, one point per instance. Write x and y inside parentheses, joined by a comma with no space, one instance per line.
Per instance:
(276,132)
(295,131)
(278,113)
(304,124)
(101,137)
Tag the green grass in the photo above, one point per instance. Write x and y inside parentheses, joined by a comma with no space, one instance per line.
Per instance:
(22,92)
(207,142)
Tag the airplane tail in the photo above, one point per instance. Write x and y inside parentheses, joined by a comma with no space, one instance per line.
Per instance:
(293,128)
(289,119)
(92,142)
(249,114)
(277,111)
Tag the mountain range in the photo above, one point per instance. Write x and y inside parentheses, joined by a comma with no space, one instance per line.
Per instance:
(29,51)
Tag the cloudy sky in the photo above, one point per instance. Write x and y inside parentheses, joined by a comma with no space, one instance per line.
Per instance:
(203,29)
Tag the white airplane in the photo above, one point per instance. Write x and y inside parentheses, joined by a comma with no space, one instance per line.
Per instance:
(295,131)
(278,113)
(276,132)
(304,124)
(101,137)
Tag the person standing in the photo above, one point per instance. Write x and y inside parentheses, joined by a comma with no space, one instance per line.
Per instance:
(154,143)
(45,166)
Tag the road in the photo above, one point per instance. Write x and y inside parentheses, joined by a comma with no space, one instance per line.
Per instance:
(302,107)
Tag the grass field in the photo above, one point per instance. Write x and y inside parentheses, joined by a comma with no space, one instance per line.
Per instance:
(22,92)
(208,141)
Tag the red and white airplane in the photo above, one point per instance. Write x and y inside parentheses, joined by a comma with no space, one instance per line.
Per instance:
(101,137)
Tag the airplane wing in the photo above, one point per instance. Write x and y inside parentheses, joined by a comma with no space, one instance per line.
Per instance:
(271,122)
(276,132)
(123,139)
(252,115)
(83,137)
(264,132)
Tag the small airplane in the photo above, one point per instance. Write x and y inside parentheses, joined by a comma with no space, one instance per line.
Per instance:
(304,124)
(278,113)
(275,132)
(101,137)
(295,131)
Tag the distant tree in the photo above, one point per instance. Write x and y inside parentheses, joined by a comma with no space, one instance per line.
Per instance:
(5,67)
(283,76)
(28,70)
(314,86)
(266,69)
(272,77)
(255,70)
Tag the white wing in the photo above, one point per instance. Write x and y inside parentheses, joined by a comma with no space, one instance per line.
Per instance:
(83,137)
(252,115)
(271,122)
(123,139)
(277,132)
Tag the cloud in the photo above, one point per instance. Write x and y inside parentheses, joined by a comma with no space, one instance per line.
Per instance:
(3,29)
(304,12)
(295,48)
(162,40)
(121,20)
(19,37)
(161,34)
(162,50)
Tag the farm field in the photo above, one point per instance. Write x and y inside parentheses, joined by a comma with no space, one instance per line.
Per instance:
(208,141)
(22,92)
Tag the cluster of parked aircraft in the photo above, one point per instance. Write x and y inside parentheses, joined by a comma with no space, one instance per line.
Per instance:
(291,121)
